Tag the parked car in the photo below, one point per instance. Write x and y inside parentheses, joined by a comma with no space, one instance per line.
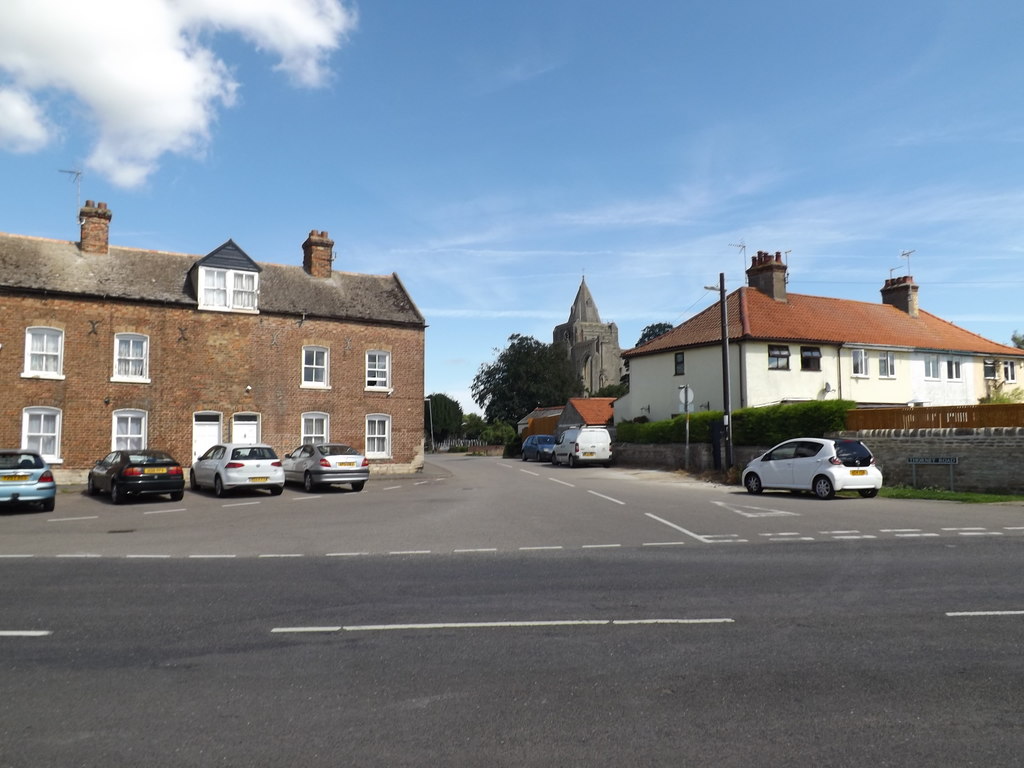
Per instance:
(228,466)
(26,478)
(583,445)
(136,473)
(819,465)
(316,464)
(538,447)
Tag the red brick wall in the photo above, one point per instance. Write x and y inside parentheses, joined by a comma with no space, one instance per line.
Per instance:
(203,361)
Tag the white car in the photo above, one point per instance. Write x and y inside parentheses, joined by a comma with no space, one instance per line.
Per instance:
(819,465)
(583,445)
(228,466)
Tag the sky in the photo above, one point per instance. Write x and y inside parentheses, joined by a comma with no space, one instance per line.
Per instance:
(494,154)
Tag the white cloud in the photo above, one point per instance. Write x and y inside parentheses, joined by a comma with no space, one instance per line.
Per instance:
(141,72)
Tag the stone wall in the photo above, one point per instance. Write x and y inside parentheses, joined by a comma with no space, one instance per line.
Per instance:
(987,460)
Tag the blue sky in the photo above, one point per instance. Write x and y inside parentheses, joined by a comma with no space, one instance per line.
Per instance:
(494,153)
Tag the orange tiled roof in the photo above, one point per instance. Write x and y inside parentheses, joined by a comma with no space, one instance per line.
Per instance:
(593,410)
(818,319)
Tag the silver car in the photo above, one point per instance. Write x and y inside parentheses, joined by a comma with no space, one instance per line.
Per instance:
(228,466)
(319,464)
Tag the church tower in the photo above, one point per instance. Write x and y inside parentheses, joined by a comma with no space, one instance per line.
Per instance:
(592,346)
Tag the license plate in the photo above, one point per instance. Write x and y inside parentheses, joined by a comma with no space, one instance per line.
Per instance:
(258,479)
(858,471)
(346,464)
(588,453)
(155,471)
(15,478)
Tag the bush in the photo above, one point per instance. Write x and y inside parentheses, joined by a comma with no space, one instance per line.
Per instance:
(750,426)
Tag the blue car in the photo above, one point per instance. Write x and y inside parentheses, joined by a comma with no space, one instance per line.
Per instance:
(25,478)
(538,447)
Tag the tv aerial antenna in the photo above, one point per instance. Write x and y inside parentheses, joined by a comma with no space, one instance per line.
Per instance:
(906,255)
(743,252)
(75,177)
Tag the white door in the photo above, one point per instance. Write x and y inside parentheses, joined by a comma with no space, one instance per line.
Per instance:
(245,428)
(205,432)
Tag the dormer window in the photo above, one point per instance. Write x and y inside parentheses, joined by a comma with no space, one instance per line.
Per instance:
(228,290)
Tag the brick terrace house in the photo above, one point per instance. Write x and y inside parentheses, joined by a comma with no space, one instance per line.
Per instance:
(104,347)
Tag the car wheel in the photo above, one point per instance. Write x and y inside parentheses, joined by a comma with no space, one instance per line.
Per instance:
(117,496)
(554,459)
(869,493)
(753,483)
(823,488)
(48,505)
(90,486)
(192,482)
(276,490)
(307,483)
(571,462)
(524,456)
(177,496)
(358,486)
(218,486)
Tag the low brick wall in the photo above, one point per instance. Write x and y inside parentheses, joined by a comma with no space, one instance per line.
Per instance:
(987,460)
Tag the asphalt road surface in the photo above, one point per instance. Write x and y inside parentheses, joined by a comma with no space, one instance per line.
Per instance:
(495,613)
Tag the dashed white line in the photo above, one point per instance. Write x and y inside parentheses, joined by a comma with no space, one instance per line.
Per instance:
(147,557)
(347,554)
(241,504)
(71,519)
(292,554)
(529,472)
(609,498)
(534,549)
(410,552)
(12,557)
(164,511)
(916,535)
(481,549)
(25,632)
(968,614)
(663,544)
(211,557)
(304,629)
(561,482)
(81,554)
(391,488)
(600,546)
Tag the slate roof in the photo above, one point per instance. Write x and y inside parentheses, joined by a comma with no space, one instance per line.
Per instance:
(58,267)
(755,316)
(593,410)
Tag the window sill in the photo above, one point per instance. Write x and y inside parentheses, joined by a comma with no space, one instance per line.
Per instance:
(129,380)
(47,376)
(385,390)
(235,310)
(307,385)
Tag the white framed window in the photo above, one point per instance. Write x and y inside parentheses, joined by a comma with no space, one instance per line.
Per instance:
(778,357)
(315,427)
(989,367)
(228,289)
(129,430)
(44,353)
(131,357)
(887,365)
(932,369)
(378,370)
(860,362)
(953,369)
(40,432)
(315,367)
(1010,371)
(810,358)
(378,436)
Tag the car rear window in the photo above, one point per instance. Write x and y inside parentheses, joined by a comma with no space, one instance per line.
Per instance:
(853,453)
(253,452)
(150,458)
(21,461)
(337,450)
(546,440)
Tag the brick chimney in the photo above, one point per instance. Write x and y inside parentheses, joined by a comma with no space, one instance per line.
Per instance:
(95,221)
(317,254)
(767,274)
(901,292)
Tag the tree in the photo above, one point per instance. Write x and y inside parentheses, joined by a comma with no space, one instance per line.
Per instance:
(611,390)
(1018,340)
(527,373)
(473,426)
(446,415)
(653,331)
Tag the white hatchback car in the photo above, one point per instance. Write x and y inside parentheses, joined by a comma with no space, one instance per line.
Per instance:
(228,466)
(819,465)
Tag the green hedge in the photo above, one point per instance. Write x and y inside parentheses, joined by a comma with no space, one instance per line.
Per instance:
(750,426)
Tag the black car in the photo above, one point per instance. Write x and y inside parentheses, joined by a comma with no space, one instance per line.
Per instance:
(538,447)
(134,473)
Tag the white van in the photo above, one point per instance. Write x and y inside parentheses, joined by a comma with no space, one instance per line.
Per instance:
(583,445)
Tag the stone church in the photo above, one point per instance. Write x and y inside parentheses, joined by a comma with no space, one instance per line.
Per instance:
(593,346)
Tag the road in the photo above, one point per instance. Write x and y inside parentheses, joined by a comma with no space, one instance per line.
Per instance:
(495,613)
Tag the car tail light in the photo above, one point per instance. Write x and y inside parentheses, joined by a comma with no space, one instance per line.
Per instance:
(576,447)
(366,462)
(46,477)
(174,471)
(275,463)
(131,471)
(835,460)
(234,465)
(325,463)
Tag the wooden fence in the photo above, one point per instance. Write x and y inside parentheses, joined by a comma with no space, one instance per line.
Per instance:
(938,417)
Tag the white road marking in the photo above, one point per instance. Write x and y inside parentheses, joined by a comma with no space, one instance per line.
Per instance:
(702,539)
(421,482)
(621,622)
(241,504)
(347,554)
(6,557)
(528,624)
(855,536)
(81,554)
(961,614)
(916,535)
(901,530)
(282,555)
(305,629)
(411,552)
(609,498)
(534,549)
(600,546)
(211,557)
(147,557)
(529,472)
(306,497)
(391,488)
(975,528)
(663,544)
(71,519)
(561,482)
(482,549)
(829,533)
(761,511)
(165,511)
(980,533)
(25,632)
